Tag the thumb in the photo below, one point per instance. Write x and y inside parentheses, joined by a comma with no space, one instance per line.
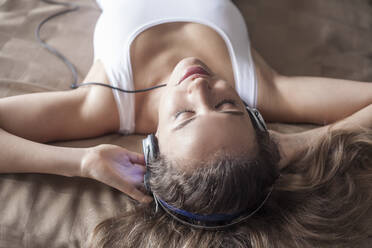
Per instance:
(139,196)
(137,158)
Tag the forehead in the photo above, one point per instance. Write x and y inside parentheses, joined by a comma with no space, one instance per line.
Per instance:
(207,136)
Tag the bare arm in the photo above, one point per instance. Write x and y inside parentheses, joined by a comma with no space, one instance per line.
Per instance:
(109,164)
(67,115)
(86,112)
(64,115)
(320,100)
(307,99)
(18,155)
(291,145)
(44,117)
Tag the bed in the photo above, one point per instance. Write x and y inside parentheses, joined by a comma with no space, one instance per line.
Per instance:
(297,37)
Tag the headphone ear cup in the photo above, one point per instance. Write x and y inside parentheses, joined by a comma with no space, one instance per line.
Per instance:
(257,118)
(260,119)
(151,152)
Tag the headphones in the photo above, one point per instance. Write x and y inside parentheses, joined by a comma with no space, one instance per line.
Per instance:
(151,148)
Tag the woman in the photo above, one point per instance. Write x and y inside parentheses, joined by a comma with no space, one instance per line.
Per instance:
(214,159)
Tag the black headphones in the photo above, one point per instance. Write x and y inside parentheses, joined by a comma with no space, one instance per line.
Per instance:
(257,119)
(151,148)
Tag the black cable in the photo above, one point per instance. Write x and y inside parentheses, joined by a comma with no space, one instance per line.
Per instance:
(70,8)
(116,88)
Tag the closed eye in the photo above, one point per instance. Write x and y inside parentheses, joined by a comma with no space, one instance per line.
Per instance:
(183,111)
(225,101)
(217,106)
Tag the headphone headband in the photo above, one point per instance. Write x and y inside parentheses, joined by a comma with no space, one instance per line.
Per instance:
(206,225)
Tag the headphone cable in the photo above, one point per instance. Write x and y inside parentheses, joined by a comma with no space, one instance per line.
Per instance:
(70,7)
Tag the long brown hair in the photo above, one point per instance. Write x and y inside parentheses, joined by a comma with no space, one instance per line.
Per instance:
(322,200)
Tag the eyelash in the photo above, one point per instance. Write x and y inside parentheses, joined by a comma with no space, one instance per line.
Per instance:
(224,101)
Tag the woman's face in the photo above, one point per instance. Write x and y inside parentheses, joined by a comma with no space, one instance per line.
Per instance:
(201,115)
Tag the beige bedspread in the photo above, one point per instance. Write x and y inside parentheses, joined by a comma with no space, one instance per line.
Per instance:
(297,37)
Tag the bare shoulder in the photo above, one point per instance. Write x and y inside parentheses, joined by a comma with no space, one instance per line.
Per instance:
(267,88)
(97,73)
(263,69)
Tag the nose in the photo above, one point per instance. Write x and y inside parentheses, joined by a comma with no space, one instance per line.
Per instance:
(199,90)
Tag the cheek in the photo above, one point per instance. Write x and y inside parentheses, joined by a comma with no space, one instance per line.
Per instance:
(170,101)
(224,86)
(176,74)
(168,105)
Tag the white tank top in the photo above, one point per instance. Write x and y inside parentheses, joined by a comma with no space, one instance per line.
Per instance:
(122,21)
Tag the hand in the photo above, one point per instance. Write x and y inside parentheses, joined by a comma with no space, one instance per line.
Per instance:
(286,146)
(116,167)
(292,145)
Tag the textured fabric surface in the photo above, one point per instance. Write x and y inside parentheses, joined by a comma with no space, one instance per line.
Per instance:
(297,37)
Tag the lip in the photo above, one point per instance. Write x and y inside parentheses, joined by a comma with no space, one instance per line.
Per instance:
(194,70)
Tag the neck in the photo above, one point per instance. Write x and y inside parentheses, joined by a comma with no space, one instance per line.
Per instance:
(147,109)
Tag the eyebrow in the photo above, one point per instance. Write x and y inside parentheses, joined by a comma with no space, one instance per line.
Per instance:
(188,121)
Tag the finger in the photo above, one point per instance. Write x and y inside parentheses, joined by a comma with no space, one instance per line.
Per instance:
(136,179)
(141,168)
(139,195)
(119,182)
(136,158)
